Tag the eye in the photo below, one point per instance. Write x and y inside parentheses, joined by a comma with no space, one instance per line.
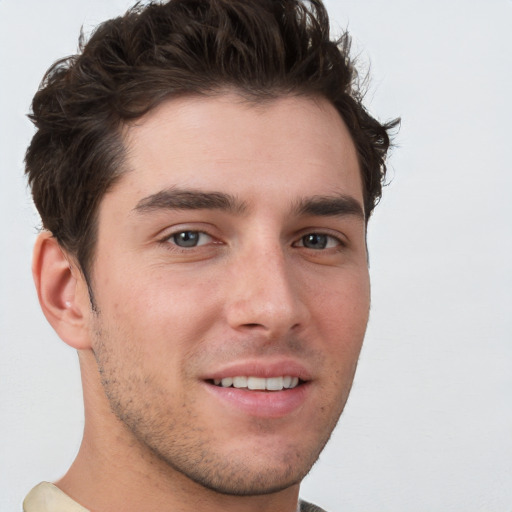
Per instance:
(190,238)
(318,241)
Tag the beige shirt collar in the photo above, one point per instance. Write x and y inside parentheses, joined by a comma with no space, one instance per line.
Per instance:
(47,497)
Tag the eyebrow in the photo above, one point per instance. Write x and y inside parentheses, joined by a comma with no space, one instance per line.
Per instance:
(339,205)
(179,199)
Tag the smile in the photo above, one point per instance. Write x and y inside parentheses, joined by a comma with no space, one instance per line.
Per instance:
(258,383)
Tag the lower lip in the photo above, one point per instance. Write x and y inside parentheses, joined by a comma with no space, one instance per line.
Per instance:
(263,404)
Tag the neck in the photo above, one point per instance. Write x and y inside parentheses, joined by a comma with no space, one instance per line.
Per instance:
(115,471)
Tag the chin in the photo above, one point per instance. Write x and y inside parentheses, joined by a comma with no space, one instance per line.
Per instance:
(241,480)
(257,470)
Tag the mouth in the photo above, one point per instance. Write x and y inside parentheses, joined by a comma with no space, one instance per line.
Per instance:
(254,383)
(265,390)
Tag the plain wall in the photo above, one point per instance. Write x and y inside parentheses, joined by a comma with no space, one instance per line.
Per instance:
(428,426)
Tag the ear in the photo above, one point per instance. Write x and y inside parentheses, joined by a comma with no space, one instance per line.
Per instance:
(62,292)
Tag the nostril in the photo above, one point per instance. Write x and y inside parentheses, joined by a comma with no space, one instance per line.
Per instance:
(252,325)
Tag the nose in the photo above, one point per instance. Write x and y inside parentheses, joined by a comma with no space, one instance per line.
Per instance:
(265,293)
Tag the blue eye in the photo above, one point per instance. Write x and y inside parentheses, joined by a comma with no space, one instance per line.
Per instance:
(190,238)
(318,241)
(314,241)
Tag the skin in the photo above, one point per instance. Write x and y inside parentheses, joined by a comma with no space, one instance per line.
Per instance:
(258,290)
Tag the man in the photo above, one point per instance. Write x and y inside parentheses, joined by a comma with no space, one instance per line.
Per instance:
(205,172)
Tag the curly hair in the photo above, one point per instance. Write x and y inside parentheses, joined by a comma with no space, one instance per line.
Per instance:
(262,48)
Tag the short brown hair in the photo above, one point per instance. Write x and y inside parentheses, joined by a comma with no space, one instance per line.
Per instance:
(261,48)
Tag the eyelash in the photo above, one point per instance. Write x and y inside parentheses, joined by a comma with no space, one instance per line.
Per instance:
(170,240)
(338,242)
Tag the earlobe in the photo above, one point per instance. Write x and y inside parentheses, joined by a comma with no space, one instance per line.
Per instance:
(62,292)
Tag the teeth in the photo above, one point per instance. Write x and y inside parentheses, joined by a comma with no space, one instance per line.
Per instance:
(256,383)
(274,384)
(240,382)
(259,383)
(226,382)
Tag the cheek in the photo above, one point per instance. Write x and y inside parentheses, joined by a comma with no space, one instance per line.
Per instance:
(160,313)
(342,313)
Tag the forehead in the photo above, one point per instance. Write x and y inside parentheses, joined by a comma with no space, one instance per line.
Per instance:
(291,145)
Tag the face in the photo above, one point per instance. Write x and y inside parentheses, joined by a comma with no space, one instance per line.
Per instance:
(231,286)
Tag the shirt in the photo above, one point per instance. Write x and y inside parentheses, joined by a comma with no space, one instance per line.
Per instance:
(47,497)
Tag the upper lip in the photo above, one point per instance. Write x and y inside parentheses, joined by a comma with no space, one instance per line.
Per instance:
(261,368)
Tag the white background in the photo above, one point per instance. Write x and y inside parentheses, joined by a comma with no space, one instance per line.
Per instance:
(428,426)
